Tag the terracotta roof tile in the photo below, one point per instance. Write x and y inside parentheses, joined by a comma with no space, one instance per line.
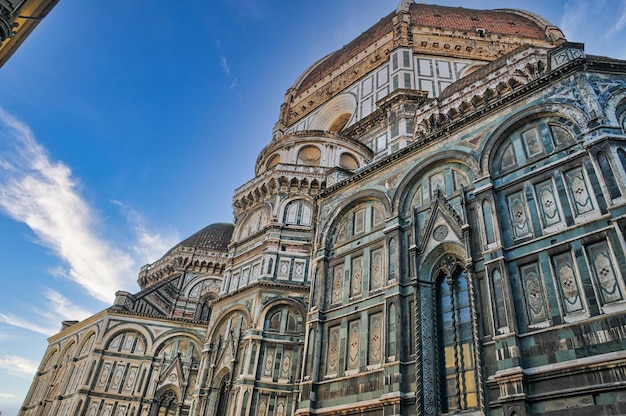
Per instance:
(459,18)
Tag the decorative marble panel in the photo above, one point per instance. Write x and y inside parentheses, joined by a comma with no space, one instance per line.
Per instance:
(263,405)
(375,338)
(367,86)
(604,272)
(93,409)
(417,197)
(245,276)
(283,269)
(268,365)
(376,269)
(577,187)
(359,221)
(460,180)
(565,55)
(547,201)
(560,135)
(280,407)
(567,281)
(356,282)
(130,380)
(234,281)
(354,333)
(508,159)
(341,234)
(535,298)
(256,270)
(299,268)
(118,376)
(533,144)
(337,288)
(104,375)
(285,365)
(332,358)
(518,215)
(437,181)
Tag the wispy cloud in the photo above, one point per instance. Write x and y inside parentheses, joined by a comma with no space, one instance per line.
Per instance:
(45,319)
(20,322)
(7,396)
(226,69)
(62,307)
(604,37)
(621,20)
(17,366)
(44,195)
(224,66)
(149,244)
(573,18)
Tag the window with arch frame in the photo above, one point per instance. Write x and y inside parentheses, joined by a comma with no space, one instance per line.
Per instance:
(532,141)
(457,366)
(298,212)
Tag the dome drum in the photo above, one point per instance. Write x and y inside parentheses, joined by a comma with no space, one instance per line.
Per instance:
(316,149)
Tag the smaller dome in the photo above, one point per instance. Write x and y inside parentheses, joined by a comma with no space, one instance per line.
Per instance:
(208,248)
(214,237)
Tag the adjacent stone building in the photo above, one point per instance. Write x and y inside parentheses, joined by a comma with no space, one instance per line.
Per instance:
(18,18)
(436,227)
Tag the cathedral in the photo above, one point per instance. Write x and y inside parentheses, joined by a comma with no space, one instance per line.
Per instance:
(436,227)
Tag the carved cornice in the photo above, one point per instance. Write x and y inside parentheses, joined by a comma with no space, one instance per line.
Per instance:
(282,179)
(179,260)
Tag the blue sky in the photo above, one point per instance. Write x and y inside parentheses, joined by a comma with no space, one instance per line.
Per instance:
(126,126)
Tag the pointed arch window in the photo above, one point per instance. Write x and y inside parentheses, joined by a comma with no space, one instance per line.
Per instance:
(166,404)
(222,403)
(203,312)
(457,367)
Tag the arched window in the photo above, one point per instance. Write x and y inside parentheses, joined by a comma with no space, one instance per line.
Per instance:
(609,175)
(530,142)
(222,403)
(298,213)
(456,356)
(244,404)
(347,161)
(283,320)
(165,405)
(203,312)
(273,161)
(254,223)
(309,156)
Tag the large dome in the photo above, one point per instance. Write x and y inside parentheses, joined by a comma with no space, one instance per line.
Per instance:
(503,22)
(462,37)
